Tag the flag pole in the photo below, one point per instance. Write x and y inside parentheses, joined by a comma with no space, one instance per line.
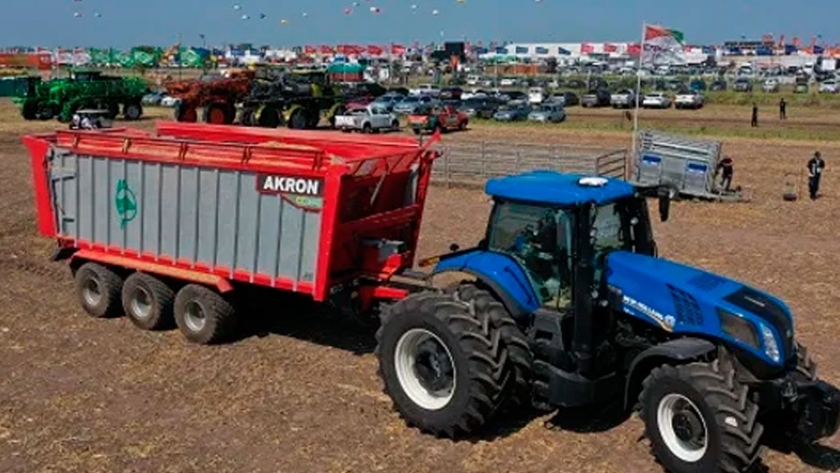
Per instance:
(637,98)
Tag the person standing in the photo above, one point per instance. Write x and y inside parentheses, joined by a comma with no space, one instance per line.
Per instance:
(815,169)
(782,109)
(725,165)
(754,121)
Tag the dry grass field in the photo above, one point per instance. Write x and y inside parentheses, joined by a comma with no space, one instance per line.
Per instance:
(298,391)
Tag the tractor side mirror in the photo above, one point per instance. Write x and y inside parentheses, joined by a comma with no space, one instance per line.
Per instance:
(664,203)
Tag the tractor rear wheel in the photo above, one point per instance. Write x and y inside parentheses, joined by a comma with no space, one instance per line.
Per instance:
(148,301)
(698,418)
(268,116)
(298,120)
(185,113)
(443,362)
(204,316)
(218,114)
(132,111)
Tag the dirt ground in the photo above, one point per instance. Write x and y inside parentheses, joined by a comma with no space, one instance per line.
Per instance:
(298,391)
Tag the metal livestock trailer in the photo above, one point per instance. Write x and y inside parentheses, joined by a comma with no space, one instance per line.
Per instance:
(684,165)
(139,215)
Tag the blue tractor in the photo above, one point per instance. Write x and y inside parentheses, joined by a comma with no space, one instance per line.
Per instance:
(567,304)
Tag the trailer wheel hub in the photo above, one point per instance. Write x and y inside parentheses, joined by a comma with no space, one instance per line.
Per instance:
(425,369)
(194,316)
(92,292)
(682,427)
(141,303)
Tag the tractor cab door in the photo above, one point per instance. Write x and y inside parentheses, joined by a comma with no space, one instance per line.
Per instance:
(540,239)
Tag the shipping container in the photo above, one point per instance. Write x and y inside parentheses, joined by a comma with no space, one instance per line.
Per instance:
(317,213)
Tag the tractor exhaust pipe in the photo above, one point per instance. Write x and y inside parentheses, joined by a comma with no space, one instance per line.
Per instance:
(582,282)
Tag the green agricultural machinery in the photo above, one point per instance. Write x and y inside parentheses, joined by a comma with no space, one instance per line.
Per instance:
(60,98)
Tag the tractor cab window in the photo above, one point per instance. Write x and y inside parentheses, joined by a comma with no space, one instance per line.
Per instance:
(539,238)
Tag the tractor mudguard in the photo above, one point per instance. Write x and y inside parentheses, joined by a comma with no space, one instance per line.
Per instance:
(679,350)
(501,273)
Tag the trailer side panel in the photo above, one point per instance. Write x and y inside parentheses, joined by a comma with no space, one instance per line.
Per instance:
(218,219)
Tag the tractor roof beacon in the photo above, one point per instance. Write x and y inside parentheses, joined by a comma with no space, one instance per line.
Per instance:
(571,306)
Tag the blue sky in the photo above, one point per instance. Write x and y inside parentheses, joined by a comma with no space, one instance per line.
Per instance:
(124,23)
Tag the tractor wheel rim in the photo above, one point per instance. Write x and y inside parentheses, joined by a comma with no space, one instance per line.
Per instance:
(682,428)
(425,369)
(194,316)
(141,303)
(217,116)
(92,291)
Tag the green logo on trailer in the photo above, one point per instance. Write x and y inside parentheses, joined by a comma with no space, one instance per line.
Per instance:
(126,203)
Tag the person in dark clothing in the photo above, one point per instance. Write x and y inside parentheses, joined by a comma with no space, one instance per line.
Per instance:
(754,115)
(782,109)
(815,169)
(725,165)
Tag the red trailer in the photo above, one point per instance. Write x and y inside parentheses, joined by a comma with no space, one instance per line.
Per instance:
(163,225)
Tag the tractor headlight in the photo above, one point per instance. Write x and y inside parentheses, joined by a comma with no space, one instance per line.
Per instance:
(738,328)
(771,348)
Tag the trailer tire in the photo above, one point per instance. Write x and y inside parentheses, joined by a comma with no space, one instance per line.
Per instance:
(454,337)
(710,400)
(99,289)
(148,301)
(202,315)
(298,120)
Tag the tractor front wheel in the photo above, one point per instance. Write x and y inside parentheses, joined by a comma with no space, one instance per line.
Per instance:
(298,120)
(185,113)
(443,362)
(219,114)
(132,111)
(699,418)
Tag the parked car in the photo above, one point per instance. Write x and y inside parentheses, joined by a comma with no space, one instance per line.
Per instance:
(515,96)
(154,98)
(596,98)
(407,105)
(656,100)
(373,118)
(536,95)
(801,85)
(718,86)
(624,98)
(742,84)
(431,117)
(451,93)
(388,101)
(691,99)
(512,113)
(480,107)
(169,101)
(570,99)
(770,85)
(829,87)
(698,85)
(548,113)
(473,93)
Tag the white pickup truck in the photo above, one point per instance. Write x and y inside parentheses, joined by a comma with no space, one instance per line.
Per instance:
(371,119)
(689,99)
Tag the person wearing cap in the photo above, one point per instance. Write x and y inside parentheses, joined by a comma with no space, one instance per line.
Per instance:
(725,165)
(815,169)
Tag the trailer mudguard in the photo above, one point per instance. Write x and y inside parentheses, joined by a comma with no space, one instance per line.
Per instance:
(500,273)
(677,351)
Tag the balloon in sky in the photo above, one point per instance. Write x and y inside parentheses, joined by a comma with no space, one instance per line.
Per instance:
(284,21)
(237,7)
(435,12)
(77,15)
(375,10)
(246,17)
(356,4)
(97,15)
(262,16)
(305,14)
(348,11)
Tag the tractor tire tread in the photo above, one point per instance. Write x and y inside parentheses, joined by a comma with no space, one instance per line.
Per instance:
(479,339)
(728,399)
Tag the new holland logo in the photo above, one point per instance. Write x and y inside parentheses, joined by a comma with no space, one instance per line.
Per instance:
(303,192)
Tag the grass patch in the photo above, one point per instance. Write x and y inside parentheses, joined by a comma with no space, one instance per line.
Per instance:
(810,100)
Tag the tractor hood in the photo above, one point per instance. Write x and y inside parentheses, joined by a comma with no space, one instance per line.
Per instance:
(683,299)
